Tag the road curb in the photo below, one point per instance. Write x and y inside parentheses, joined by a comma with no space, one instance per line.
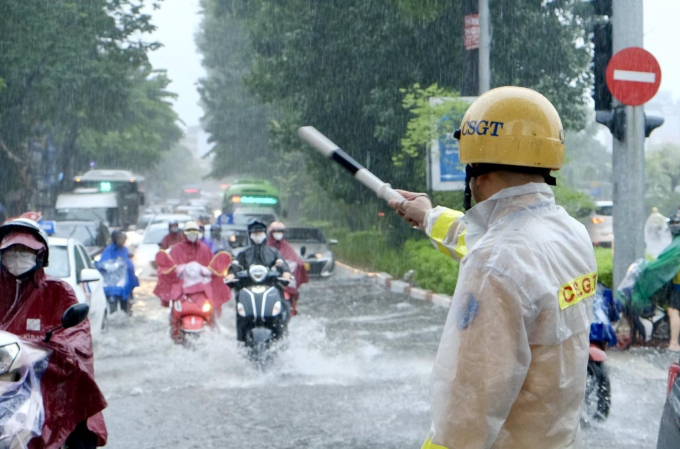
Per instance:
(387,282)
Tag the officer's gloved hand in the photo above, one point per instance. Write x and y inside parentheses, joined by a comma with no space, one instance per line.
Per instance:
(413,208)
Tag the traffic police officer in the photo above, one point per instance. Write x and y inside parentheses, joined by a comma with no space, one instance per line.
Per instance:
(511,367)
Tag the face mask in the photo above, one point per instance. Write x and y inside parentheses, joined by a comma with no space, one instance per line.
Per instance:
(18,262)
(258,238)
(192,237)
(277,235)
(174,229)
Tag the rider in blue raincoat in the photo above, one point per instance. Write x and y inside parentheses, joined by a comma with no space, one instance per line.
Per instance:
(117,250)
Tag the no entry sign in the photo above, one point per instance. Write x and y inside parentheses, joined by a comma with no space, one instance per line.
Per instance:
(633,76)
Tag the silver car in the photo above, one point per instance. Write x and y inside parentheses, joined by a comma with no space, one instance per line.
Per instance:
(600,224)
(313,249)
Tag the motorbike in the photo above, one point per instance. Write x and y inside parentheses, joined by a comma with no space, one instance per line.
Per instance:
(606,311)
(650,325)
(188,290)
(22,364)
(262,311)
(192,312)
(114,273)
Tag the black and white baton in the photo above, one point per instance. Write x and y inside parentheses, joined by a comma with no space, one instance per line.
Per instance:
(330,150)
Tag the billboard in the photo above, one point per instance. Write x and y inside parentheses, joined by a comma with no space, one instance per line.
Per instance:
(444,170)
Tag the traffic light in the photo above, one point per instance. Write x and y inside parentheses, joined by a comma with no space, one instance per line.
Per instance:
(651,123)
(602,42)
(614,120)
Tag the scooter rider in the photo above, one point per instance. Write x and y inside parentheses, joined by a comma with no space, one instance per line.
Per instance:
(276,239)
(117,250)
(174,235)
(191,249)
(258,253)
(511,367)
(32,303)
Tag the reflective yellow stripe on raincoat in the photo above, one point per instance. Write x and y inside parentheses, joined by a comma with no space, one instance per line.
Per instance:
(447,231)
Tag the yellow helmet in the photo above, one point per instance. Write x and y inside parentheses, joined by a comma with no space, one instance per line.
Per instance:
(512,126)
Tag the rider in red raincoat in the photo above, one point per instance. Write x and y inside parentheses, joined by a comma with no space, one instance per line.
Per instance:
(31,303)
(276,240)
(174,235)
(191,249)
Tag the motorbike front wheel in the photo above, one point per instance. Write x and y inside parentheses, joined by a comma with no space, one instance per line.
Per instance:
(598,393)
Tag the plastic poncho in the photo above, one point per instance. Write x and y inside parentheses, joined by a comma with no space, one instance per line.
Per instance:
(112,252)
(605,312)
(170,287)
(22,415)
(657,235)
(511,367)
(30,308)
(651,276)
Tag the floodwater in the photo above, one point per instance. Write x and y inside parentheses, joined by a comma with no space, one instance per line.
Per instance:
(354,374)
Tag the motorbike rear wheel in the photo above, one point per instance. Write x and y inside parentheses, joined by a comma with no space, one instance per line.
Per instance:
(598,393)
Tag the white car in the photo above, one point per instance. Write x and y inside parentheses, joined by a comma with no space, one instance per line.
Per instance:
(167,218)
(145,254)
(69,262)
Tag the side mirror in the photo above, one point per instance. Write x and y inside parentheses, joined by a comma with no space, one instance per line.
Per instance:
(89,275)
(74,315)
(303,250)
(332,242)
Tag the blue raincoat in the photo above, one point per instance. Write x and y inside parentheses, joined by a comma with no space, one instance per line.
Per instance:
(112,252)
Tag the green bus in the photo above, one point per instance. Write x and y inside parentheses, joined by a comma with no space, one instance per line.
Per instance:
(250,193)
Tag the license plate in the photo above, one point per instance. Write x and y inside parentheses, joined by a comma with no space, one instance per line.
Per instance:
(307,266)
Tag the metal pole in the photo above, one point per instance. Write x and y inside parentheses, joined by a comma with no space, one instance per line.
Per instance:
(484,47)
(628,154)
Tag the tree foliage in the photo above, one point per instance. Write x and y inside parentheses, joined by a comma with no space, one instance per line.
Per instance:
(341,66)
(235,119)
(662,166)
(73,74)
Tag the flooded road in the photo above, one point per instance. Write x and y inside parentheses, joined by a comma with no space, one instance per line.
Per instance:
(354,375)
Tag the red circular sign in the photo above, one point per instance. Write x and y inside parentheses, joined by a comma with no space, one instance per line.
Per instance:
(633,76)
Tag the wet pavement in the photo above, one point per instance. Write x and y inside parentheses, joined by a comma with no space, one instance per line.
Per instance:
(354,374)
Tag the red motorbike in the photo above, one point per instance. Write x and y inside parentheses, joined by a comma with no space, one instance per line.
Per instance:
(190,292)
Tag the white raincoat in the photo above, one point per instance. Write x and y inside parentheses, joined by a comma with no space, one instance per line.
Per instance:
(511,366)
(657,234)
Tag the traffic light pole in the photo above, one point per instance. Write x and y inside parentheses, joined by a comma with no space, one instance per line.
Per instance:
(484,47)
(628,152)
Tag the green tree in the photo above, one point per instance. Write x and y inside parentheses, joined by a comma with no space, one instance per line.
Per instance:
(340,66)
(235,119)
(662,170)
(69,71)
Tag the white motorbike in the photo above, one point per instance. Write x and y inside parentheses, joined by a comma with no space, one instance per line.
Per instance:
(22,363)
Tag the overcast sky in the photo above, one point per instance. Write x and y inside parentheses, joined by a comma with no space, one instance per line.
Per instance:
(178,21)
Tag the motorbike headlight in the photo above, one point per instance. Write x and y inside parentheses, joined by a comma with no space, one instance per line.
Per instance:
(240,309)
(277,308)
(8,354)
(206,307)
(258,273)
